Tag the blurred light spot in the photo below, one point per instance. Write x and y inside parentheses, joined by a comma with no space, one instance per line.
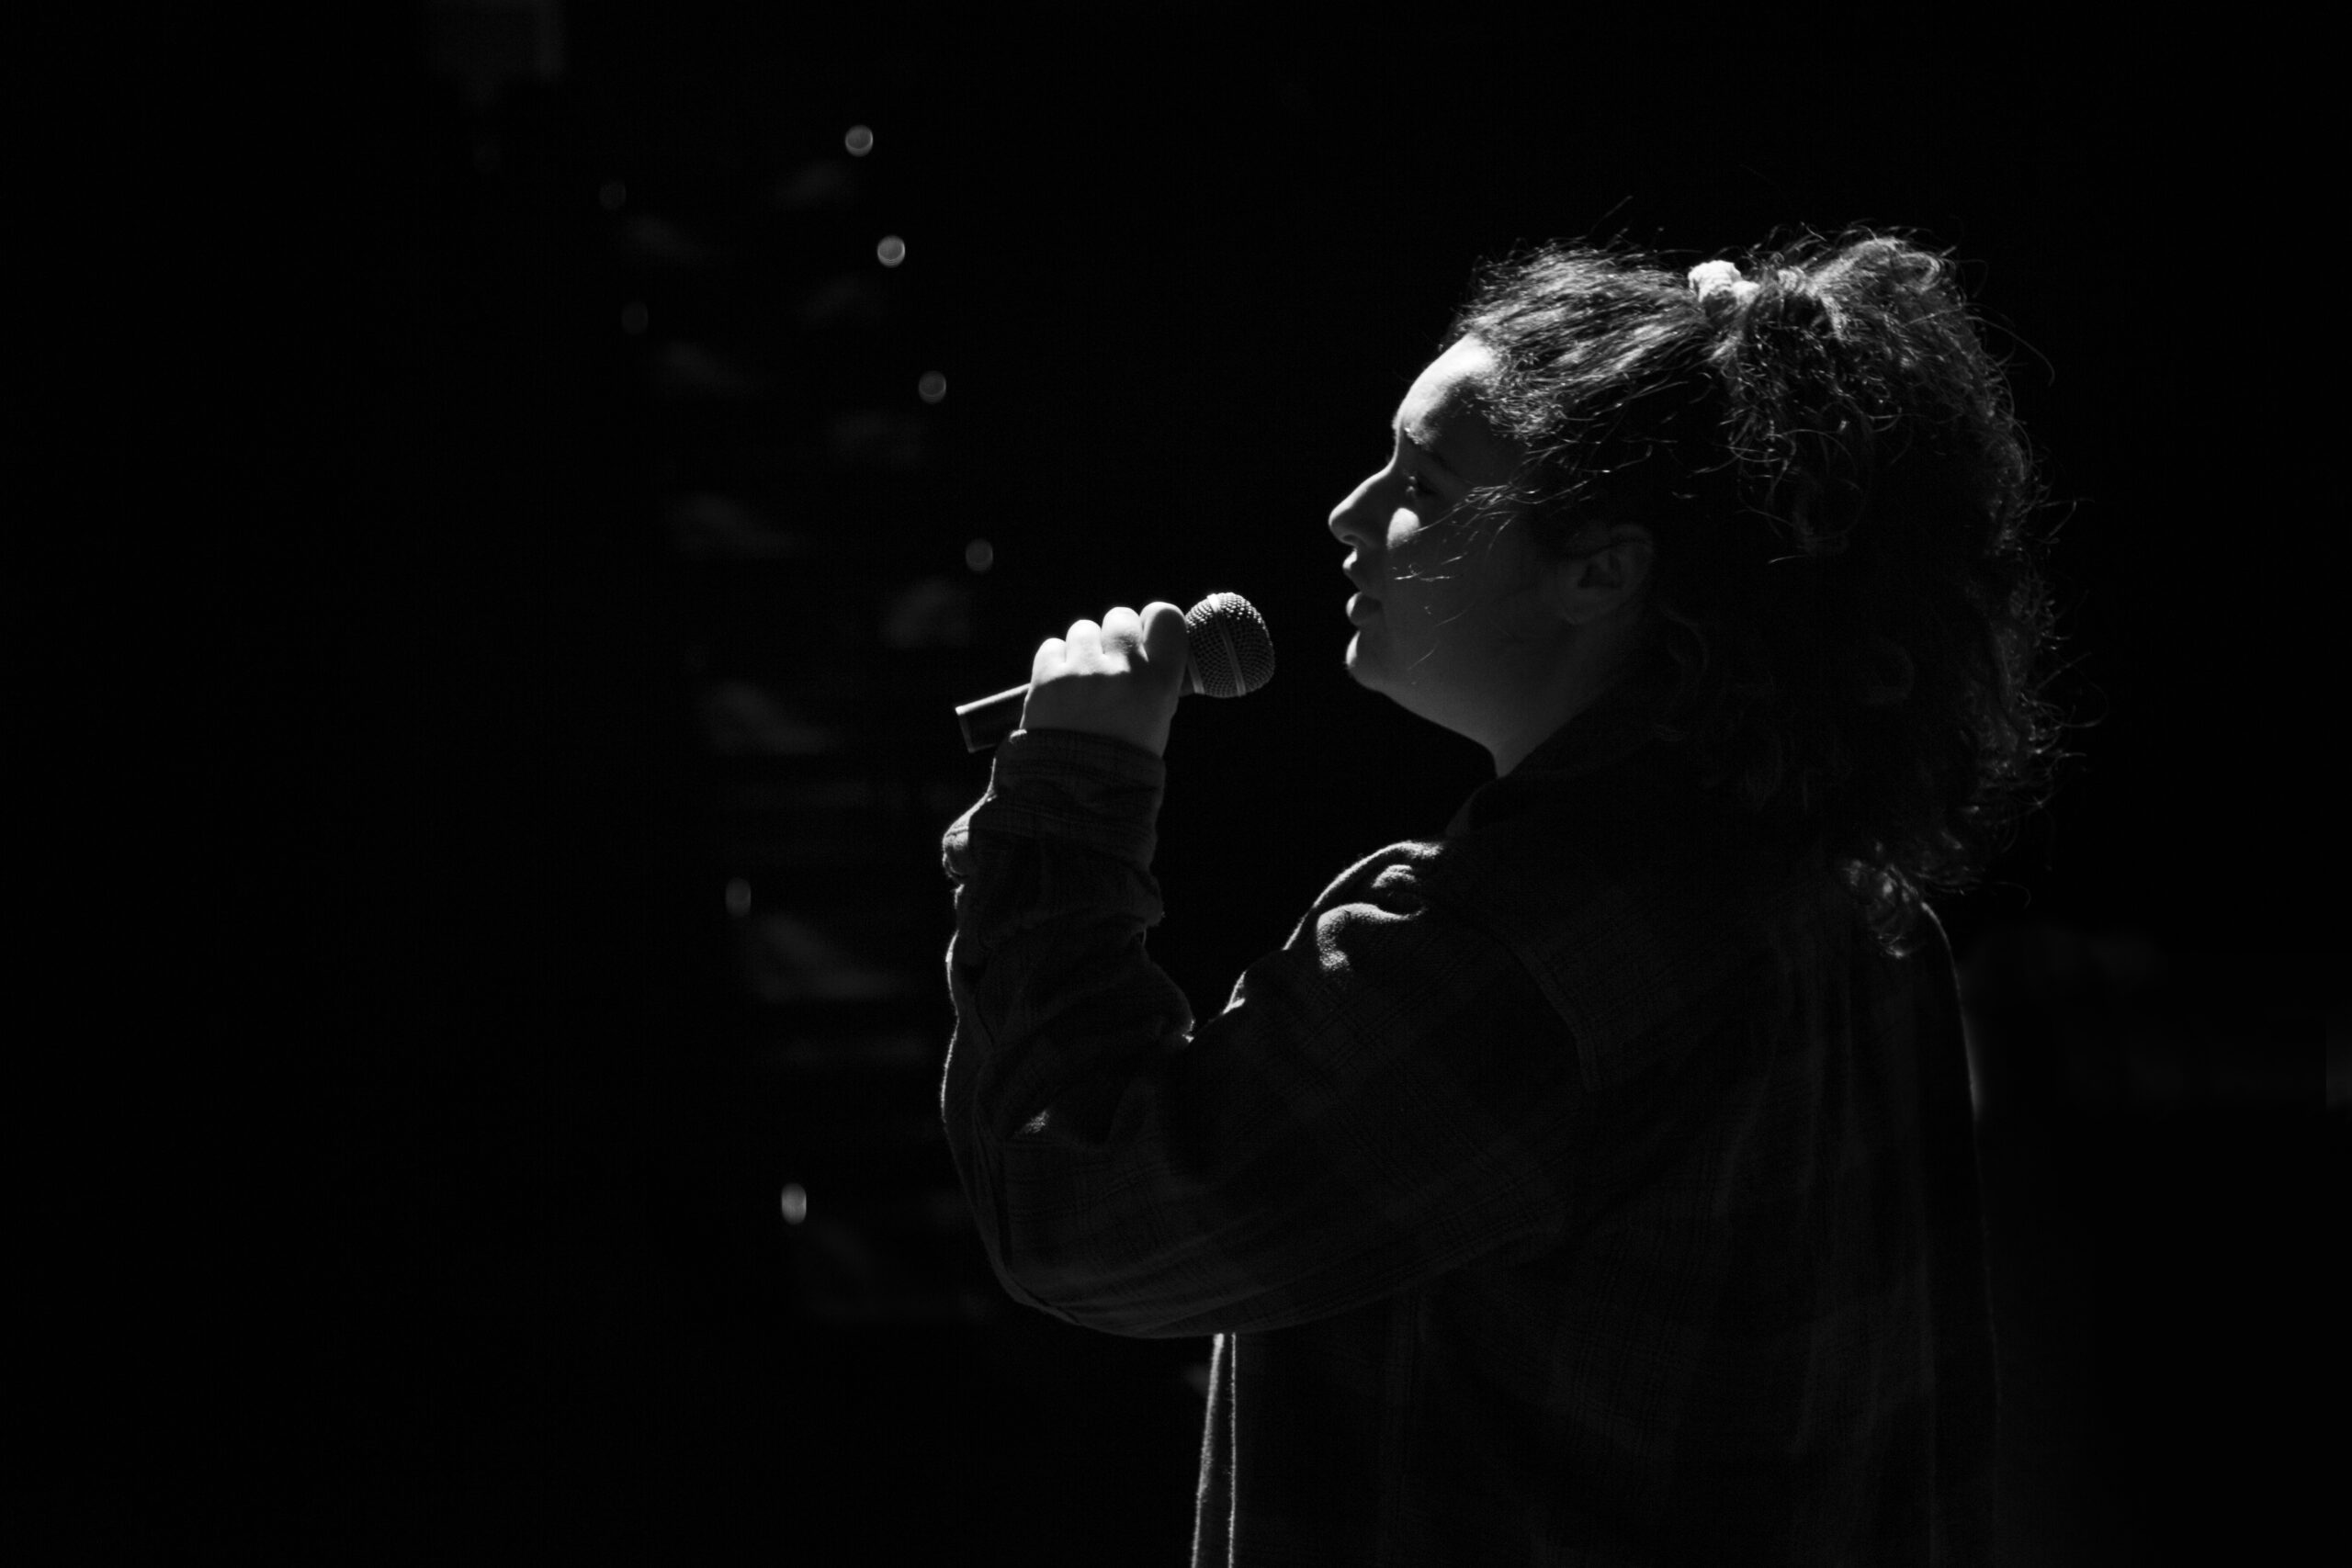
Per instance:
(825,182)
(933,613)
(891,251)
(613,196)
(860,141)
(634,317)
(647,239)
(796,1202)
(739,896)
(741,719)
(933,387)
(689,370)
(851,299)
(785,959)
(707,525)
(979,554)
(877,438)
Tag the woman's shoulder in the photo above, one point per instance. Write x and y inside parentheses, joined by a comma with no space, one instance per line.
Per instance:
(1638,919)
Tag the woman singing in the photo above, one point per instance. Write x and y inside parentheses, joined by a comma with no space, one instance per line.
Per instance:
(1593,1184)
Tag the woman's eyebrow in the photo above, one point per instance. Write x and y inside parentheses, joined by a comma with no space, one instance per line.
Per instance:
(1429,450)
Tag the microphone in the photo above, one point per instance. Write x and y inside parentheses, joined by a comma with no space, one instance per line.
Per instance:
(1227,654)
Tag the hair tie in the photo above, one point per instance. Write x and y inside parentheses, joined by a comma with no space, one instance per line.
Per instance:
(1710,278)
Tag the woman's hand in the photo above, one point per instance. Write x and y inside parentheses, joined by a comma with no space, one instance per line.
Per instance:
(1122,678)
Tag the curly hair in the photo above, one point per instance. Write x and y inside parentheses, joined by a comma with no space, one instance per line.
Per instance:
(1846,620)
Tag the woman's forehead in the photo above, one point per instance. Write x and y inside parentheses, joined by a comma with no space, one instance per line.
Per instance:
(1444,409)
(1448,384)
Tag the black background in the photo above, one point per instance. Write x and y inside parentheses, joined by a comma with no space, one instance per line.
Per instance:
(413,1179)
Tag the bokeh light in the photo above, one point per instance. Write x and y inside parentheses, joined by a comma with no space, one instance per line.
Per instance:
(932,387)
(739,896)
(979,554)
(891,251)
(796,1202)
(859,140)
(612,195)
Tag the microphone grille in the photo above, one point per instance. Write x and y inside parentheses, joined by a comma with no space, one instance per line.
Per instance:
(1230,650)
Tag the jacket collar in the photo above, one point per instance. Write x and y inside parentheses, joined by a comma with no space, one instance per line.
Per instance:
(1608,744)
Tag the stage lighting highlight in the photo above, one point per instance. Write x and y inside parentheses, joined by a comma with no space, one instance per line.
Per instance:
(859,140)
(891,251)
(932,387)
(979,554)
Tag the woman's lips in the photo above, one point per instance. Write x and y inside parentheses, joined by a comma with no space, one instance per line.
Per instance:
(1361,607)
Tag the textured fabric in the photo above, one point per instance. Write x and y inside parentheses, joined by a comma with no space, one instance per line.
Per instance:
(1582,1186)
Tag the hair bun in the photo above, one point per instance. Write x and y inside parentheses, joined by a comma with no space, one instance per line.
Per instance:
(1719,284)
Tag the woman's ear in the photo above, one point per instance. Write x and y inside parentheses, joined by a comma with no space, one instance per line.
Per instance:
(1608,572)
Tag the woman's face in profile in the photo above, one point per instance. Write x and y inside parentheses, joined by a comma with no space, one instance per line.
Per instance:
(1436,592)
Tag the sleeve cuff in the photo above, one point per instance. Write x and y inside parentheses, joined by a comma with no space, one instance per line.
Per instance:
(1073,788)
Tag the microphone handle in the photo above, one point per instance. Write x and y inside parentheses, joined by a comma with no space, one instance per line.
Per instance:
(989,720)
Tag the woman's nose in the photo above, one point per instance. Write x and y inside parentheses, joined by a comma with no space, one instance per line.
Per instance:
(1347,524)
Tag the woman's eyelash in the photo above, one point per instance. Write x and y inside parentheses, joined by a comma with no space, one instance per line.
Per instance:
(1413,485)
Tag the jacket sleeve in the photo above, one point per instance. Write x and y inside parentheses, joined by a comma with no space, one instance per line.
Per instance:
(1386,1098)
